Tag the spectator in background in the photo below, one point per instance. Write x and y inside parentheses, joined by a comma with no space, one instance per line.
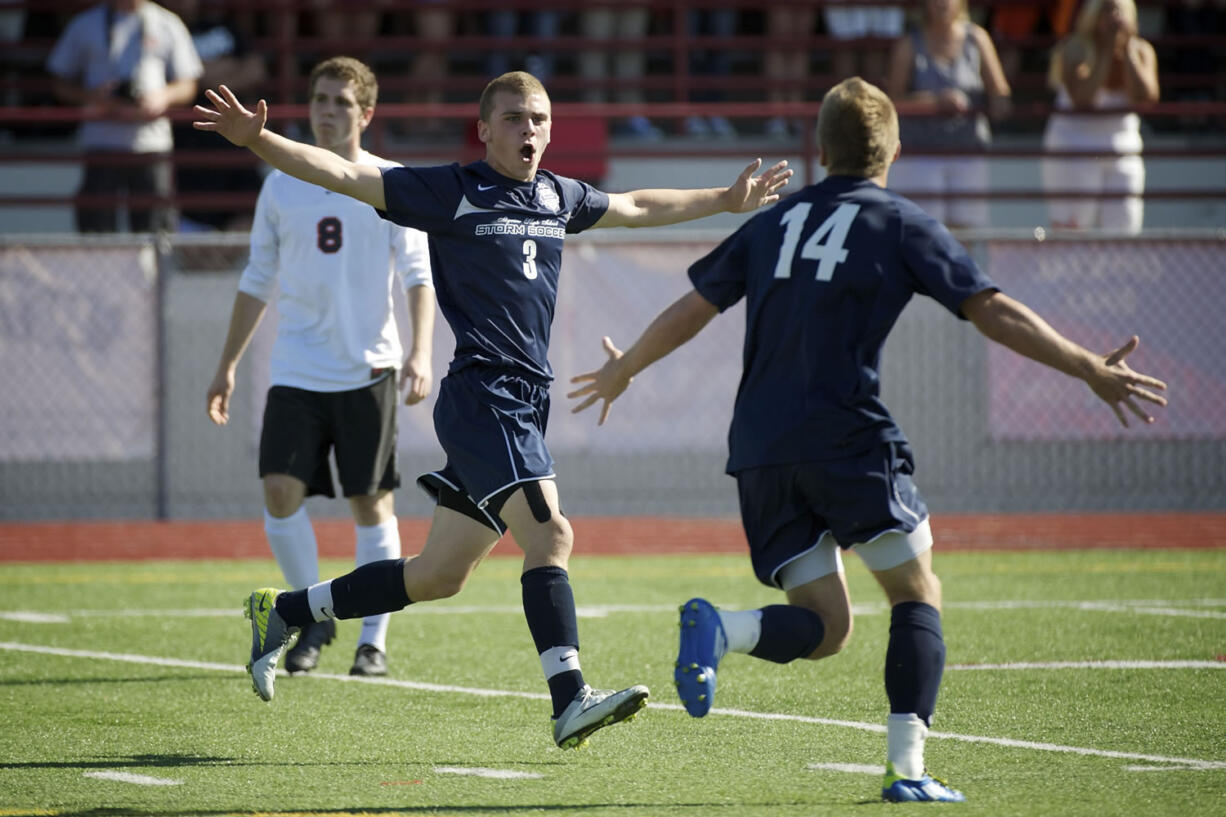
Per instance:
(946,74)
(225,53)
(853,24)
(126,62)
(787,66)
(710,62)
(1102,66)
(628,65)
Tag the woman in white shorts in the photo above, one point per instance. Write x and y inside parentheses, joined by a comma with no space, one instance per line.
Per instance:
(1099,71)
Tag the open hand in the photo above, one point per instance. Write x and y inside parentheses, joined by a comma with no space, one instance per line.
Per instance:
(607,383)
(229,118)
(749,192)
(1118,385)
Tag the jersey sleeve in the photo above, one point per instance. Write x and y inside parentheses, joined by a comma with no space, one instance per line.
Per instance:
(411,257)
(67,58)
(422,197)
(719,276)
(587,204)
(938,264)
(183,62)
(259,278)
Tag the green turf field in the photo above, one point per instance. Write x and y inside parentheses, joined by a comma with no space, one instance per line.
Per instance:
(122,692)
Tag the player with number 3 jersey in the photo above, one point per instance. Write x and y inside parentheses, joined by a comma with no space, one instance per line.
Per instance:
(497,228)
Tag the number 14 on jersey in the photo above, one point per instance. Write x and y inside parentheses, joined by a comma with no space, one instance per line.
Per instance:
(825,245)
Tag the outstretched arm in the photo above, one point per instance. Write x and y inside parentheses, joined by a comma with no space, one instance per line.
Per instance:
(311,164)
(657,207)
(1013,324)
(670,330)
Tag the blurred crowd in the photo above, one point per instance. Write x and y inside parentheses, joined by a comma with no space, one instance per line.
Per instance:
(956,71)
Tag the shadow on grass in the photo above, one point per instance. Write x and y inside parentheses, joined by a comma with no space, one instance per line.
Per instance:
(126,761)
(359,811)
(151,679)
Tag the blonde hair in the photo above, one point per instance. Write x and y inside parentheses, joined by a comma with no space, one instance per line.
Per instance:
(365,86)
(857,128)
(520,83)
(1083,34)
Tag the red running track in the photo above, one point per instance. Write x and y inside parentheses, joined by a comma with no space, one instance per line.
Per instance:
(244,539)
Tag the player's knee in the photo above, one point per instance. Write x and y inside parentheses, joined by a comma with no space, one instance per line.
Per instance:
(837,634)
(554,541)
(282,495)
(426,582)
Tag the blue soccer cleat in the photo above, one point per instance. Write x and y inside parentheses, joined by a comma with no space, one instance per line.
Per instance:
(927,789)
(703,644)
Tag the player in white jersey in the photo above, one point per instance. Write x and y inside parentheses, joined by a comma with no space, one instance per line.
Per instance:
(333,265)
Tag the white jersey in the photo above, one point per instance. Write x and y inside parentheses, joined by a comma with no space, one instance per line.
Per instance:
(333,264)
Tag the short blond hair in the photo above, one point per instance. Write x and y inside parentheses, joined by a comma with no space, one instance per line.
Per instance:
(520,83)
(857,128)
(365,86)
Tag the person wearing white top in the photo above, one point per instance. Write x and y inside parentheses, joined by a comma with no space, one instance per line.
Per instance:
(1100,71)
(332,264)
(125,63)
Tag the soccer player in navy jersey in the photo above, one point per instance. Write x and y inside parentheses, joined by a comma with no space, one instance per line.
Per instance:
(819,462)
(496,229)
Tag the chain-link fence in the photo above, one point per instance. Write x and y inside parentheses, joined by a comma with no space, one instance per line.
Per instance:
(108,345)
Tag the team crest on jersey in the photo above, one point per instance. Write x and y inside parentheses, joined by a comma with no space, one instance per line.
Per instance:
(547,196)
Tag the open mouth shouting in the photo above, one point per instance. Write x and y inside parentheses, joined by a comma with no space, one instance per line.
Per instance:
(527,151)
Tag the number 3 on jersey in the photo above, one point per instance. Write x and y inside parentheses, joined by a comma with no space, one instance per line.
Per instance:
(825,246)
(530,259)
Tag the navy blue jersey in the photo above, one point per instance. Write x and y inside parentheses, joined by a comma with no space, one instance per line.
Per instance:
(825,274)
(495,251)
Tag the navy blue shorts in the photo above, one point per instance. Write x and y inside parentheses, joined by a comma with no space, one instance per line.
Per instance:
(785,509)
(491,424)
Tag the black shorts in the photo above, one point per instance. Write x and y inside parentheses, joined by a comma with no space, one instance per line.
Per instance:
(301,427)
(785,509)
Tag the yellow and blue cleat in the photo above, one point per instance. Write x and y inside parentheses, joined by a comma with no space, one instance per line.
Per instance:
(269,635)
(927,789)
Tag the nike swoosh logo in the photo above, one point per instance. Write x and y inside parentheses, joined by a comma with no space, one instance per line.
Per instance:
(263,606)
(484,187)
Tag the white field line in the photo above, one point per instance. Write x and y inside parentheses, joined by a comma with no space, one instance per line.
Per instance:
(138,779)
(148,660)
(1184,608)
(497,774)
(850,768)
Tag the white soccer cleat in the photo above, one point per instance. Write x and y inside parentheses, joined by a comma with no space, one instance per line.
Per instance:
(594,709)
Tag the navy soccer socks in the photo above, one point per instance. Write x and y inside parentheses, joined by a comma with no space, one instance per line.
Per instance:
(915,659)
(549,607)
(788,633)
(374,588)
